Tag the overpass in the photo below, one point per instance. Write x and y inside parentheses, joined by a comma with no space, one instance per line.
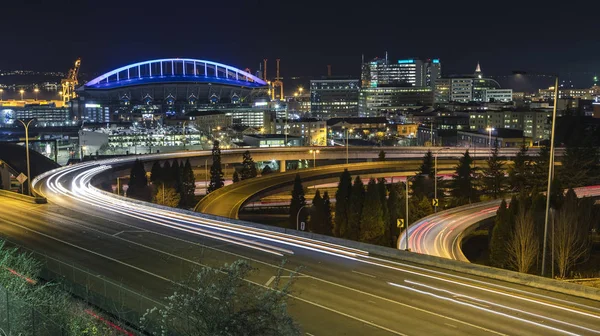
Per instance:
(344,288)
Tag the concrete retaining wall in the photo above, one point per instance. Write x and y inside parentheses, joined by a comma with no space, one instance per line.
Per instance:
(31,199)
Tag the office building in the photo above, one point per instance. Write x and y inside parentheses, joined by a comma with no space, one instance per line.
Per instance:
(535,124)
(206,121)
(468,88)
(505,138)
(497,95)
(375,101)
(334,98)
(313,132)
(405,72)
(45,114)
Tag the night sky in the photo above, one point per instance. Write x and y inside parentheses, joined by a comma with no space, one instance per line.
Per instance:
(305,35)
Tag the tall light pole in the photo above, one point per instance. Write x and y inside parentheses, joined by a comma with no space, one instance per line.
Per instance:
(36,90)
(314,152)
(490,130)
(26,125)
(184,134)
(436,177)
(550,171)
(1,94)
(406,219)
(21,92)
(348,130)
(298,217)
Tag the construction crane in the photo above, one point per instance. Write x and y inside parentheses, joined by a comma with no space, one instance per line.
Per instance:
(70,83)
(277,83)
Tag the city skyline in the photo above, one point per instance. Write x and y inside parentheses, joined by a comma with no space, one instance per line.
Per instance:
(306,37)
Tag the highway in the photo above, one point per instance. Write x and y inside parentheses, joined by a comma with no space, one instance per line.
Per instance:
(441,234)
(339,291)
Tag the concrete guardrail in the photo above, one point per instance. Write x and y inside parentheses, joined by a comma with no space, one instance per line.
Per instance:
(26,198)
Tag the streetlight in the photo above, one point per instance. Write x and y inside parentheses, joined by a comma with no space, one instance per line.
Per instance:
(36,90)
(347,131)
(490,130)
(314,153)
(184,134)
(550,169)
(406,219)
(298,218)
(435,178)
(21,92)
(1,93)
(26,125)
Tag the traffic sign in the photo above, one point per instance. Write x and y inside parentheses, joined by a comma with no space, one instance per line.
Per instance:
(435,202)
(400,222)
(21,178)
(302,225)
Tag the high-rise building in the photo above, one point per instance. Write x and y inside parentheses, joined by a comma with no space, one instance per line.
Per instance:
(469,88)
(331,98)
(373,101)
(405,72)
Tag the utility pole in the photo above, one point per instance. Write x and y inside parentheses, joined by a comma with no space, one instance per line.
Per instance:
(26,125)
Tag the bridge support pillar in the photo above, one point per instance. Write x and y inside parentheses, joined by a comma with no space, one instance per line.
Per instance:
(282,166)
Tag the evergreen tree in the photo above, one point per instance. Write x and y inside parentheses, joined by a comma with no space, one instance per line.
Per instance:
(297,202)
(493,175)
(357,200)
(372,224)
(327,227)
(266,170)
(167,197)
(342,204)
(519,173)
(236,176)
(579,165)
(176,175)
(381,155)
(423,183)
(539,176)
(166,176)
(248,166)
(138,183)
(188,186)
(463,188)
(396,206)
(156,173)
(500,236)
(316,213)
(216,174)
(382,190)
(419,207)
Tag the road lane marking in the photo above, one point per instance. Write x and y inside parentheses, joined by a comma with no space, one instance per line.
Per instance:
(451,325)
(365,274)
(130,231)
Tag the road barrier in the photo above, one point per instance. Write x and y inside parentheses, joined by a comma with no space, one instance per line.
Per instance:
(31,199)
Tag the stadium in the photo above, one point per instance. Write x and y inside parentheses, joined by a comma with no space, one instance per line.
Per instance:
(164,88)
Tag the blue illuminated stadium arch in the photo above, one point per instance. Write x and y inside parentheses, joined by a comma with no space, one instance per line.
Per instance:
(175,70)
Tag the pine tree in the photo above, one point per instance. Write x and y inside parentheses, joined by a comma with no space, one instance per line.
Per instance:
(381,155)
(248,166)
(266,170)
(156,173)
(188,186)
(166,176)
(519,173)
(316,213)
(539,176)
(236,177)
(419,207)
(579,165)
(499,237)
(216,174)
(372,224)
(138,183)
(297,202)
(396,206)
(357,200)
(493,175)
(342,204)
(423,183)
(327,227)
(463,184)
(176,175)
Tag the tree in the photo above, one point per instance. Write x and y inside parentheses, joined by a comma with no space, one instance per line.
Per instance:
(539,169)
(166,176)
(372,224)
(493,175)
(381,155)
(138,182)
(524,245)
(382,191)
(216,174)
(236,176)
(419,207)
(357,200)
(176,172)
(342,204)
(188,186)
(423,183)
(167,196)
(266,170)
(579,166)
(396,206)
(316,213)
(501,234)
(327,226)
(248,166)
(1,182)
(519,173)
(463,184)
(571,234)
(156,173)
(298,201)
(223,302)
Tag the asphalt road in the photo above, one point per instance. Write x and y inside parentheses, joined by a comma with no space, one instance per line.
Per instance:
(441,234)
(339,291)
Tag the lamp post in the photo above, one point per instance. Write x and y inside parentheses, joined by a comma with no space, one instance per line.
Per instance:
(184,134)
(490,130)
(1,94)
(26,125)
(550,170)
(36,90)
(314,152)
(348,130)
(298,217)
(21,92)
(435,177)
(406,219)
